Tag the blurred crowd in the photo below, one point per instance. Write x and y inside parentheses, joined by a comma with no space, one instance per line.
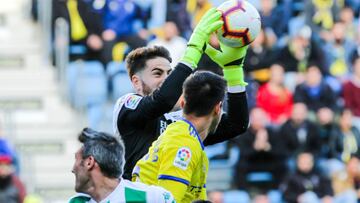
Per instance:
(304,84)
(12,190)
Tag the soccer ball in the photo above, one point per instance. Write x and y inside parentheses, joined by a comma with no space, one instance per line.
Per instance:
(241,23)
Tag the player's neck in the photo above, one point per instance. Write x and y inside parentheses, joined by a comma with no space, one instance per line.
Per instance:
(201,124)
(103,188)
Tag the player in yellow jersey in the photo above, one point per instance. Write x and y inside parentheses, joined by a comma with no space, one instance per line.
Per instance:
(177,161)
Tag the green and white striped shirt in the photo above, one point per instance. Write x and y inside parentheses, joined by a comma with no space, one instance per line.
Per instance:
(127,192)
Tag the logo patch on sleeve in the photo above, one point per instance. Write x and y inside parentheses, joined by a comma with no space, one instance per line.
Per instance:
(132,101)
(182,158)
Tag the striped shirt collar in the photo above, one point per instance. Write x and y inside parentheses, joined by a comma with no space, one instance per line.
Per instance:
(194,132)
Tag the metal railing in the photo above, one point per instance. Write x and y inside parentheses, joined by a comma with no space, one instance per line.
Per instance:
(61,49)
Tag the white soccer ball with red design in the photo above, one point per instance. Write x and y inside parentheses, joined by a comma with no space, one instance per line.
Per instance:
(241,23)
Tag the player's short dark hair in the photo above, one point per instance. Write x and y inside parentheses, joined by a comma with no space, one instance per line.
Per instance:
(136,59)
(107,150)
(202,91)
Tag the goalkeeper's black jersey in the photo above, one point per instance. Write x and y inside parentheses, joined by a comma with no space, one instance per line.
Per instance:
(140,120)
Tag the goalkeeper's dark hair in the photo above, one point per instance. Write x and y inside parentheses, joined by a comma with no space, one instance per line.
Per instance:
(107,150)
(136,59)
(202,91)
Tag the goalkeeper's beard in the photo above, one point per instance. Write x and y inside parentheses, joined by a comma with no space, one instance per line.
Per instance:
(146,89)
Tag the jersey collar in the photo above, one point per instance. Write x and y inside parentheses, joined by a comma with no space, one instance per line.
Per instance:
(114,195)
(194,132)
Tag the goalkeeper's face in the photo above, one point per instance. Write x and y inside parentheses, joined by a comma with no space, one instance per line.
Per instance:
(152,76)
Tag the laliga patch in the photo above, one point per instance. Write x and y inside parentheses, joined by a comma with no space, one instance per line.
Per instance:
(182,158)
(132,101)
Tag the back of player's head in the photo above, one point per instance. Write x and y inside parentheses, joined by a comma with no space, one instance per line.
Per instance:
(107,150)
(203,90)
(136,59)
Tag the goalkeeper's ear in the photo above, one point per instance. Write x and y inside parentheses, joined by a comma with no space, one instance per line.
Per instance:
(137,83)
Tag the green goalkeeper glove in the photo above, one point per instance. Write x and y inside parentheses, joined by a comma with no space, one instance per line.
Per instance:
(231,60)
(208,24)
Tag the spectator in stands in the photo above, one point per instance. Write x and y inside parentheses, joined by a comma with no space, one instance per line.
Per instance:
(351,25)
(351,91)
(177,13)
(261,151)
(279,107)
(338,50)
(273,17)
(355,6)
(11,188)
(157,14)
(301,51)
(346,183)
(320,15)
(7,148)
(119,27)
(216,196)
(326,124)
(347,141)
(171,41)
(314,92)
(327,160)
(261,56)
(85,27)
(197,9)
(299,133)
(296,56)
(306,185)
(98,168)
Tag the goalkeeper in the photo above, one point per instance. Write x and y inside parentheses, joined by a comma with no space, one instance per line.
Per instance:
(141,117)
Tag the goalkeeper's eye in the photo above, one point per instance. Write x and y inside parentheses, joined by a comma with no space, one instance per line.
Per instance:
(157,72)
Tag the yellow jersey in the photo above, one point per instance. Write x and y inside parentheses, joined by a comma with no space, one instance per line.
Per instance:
(177,162)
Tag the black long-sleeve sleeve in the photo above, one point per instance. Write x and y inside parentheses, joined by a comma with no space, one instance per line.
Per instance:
(232,123)
(140,118)
(160,102)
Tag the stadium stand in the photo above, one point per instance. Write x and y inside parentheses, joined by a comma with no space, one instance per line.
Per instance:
(42,122)
(34,118)
(119,79)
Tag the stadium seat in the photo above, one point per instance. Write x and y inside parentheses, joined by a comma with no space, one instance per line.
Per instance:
(275,196)
(234,196)
(77,49)
(90,85)
(87,87)
(216,149)
(221,171)
(259,176)
(119,79)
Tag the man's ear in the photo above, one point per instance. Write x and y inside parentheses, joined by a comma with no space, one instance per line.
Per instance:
(218,108)
(136,82)
(182,101)
(90,162)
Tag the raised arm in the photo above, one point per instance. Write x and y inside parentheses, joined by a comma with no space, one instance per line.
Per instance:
(236,120)
(163,100)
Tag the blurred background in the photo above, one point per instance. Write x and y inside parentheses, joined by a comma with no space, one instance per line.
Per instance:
(62,68)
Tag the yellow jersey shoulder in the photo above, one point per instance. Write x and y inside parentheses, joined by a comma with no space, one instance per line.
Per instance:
(181,133)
